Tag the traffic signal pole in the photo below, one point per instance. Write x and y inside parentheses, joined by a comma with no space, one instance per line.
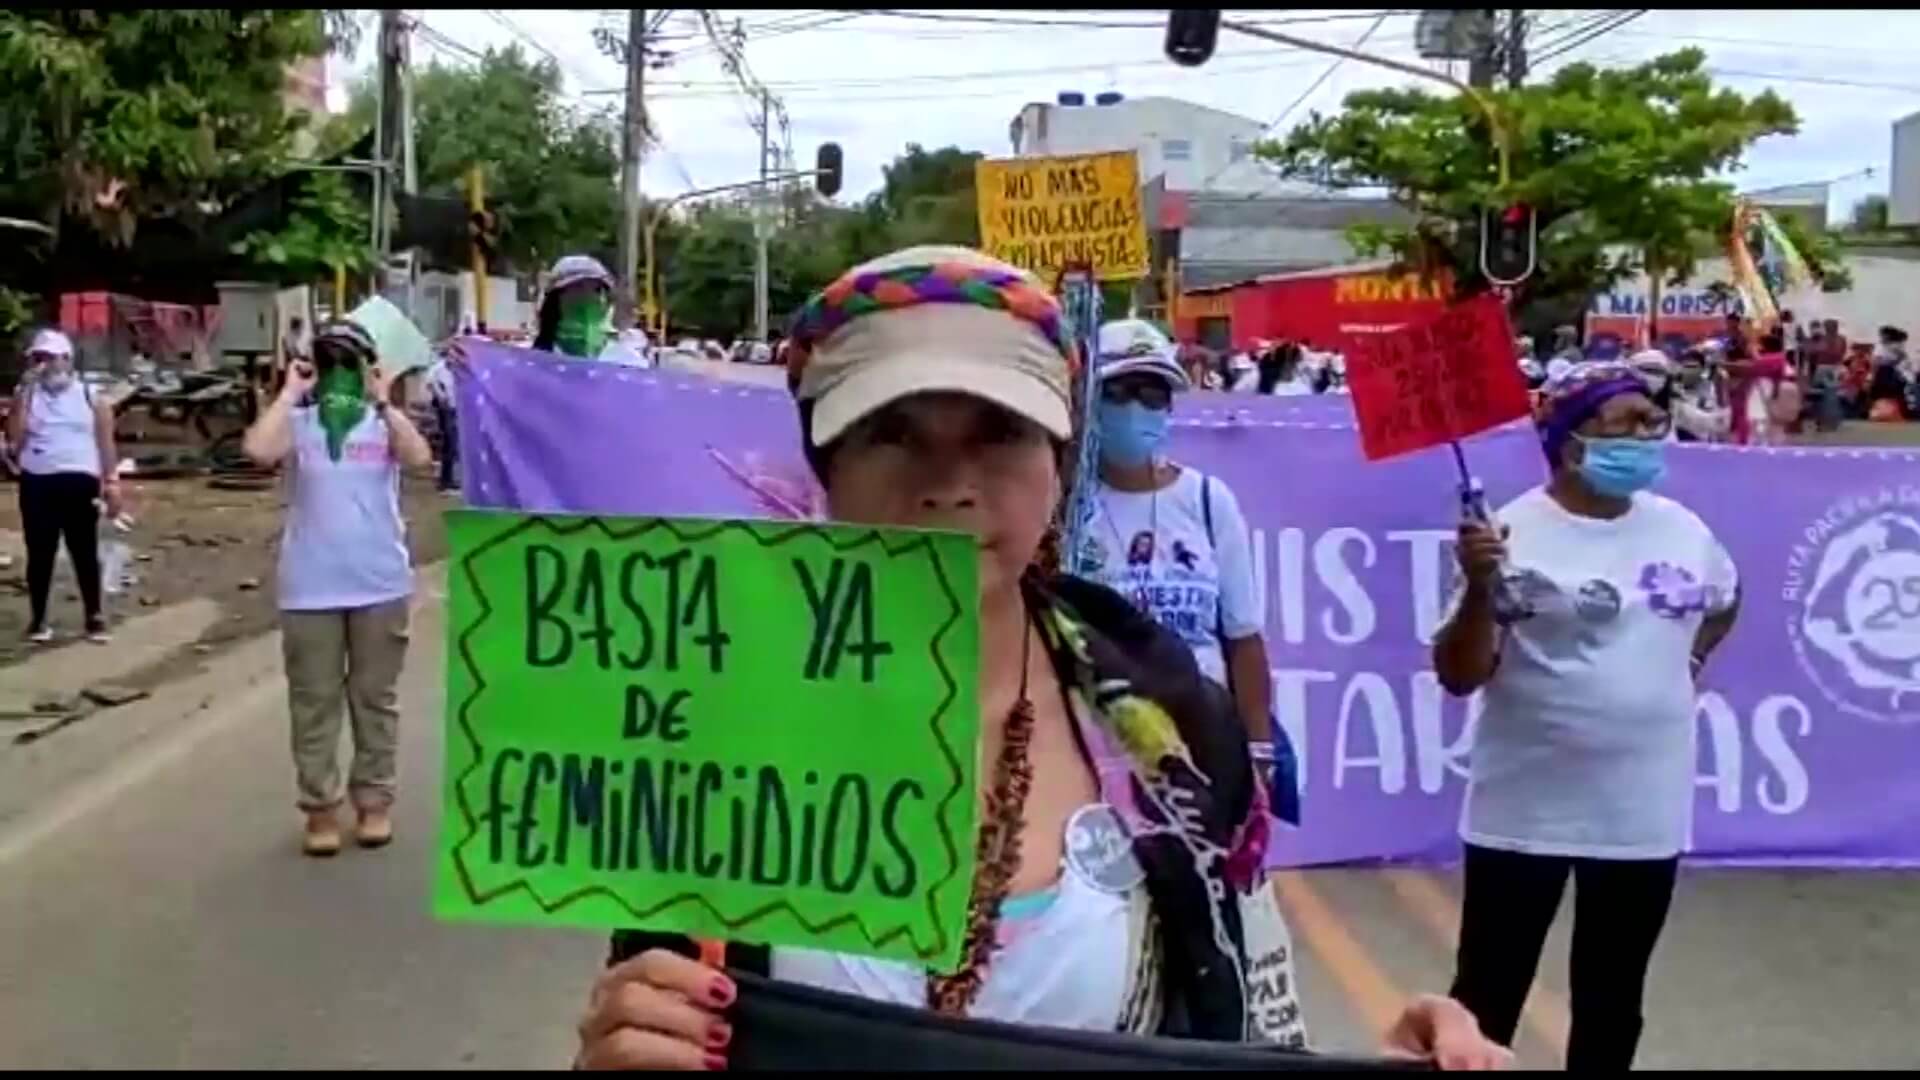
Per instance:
(477,204)
(632,144)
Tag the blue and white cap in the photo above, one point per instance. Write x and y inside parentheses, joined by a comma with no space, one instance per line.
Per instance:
(1127,346)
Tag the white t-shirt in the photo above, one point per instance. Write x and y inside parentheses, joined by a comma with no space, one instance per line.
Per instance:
(1152,548)
(1586,744)
(1065,965)
(344,546)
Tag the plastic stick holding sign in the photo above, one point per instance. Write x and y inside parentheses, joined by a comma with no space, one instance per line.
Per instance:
(1049,214)
(1437,381)
(756,731)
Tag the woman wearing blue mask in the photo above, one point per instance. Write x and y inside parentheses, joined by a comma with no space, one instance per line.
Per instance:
(1168,537)
(1583,758)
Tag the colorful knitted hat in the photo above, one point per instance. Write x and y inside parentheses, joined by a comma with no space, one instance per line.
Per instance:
(1573,397)
(931,319)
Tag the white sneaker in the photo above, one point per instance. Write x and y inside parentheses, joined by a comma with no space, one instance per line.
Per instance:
(42,636)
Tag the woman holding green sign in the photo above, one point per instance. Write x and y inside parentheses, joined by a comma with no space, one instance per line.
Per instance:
(1122,831)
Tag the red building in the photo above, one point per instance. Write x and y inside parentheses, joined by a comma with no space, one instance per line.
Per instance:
(1320,308)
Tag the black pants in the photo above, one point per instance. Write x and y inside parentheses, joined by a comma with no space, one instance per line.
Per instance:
(1619,908)
(445,419)
(58,505)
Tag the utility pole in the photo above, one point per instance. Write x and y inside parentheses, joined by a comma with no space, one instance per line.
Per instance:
(760,222)
(1486,48)
(409,174)
(632,144)
(387,131)
(1516,48)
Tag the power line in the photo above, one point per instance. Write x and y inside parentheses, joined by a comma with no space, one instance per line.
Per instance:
(1567,30)
(1602,31)
(1815,79)
(512,28)
(695,88)
(1325,75)
(1304,95)
(1796,46)
(1091,24)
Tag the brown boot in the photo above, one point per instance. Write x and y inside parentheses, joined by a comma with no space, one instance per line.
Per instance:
(322,838)
(374,830)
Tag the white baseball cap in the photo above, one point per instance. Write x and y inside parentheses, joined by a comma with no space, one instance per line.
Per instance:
(1127,346)
(51,342)
(571,269)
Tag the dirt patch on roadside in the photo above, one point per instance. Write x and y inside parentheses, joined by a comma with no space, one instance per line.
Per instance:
(192,539)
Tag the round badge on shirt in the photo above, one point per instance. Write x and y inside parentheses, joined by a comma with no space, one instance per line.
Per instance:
(1598,602)
(1100,852)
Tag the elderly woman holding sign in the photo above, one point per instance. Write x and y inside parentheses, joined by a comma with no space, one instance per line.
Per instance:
(933,391)
(1583,758)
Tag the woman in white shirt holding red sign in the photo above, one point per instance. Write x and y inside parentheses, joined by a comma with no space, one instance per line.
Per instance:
(1584,754)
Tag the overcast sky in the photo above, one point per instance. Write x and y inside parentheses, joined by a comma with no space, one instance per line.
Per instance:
(877,82)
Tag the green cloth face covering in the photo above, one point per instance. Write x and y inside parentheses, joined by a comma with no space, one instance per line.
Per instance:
(583,328)
(342,395)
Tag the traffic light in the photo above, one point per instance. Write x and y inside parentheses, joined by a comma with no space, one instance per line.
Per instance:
(829,170)
(483,232)
(1508,236)
(1191,36)
(435,224)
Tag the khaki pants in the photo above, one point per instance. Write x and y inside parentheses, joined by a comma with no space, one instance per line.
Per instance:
(350,657)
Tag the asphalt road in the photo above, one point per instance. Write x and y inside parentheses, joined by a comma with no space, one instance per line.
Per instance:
(154,912)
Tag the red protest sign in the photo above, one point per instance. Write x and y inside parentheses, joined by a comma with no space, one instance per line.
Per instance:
(1436,381)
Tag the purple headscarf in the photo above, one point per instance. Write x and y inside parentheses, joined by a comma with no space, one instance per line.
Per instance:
(1572,399)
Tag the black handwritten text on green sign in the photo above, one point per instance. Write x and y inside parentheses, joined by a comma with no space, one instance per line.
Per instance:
(755,730)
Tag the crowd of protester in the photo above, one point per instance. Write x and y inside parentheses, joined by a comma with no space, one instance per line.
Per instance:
(1755,388)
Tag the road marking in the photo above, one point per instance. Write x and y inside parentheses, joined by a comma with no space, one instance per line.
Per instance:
(1546,1013)
(1366,985)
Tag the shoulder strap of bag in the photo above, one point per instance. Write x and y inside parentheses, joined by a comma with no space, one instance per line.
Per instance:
(1206,515)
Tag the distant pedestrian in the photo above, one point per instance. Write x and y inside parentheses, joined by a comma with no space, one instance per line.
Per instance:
(446,421)
(345,578)
(62,438)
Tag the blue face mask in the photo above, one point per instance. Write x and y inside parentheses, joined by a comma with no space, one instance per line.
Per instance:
(1131,434)
(1617,468)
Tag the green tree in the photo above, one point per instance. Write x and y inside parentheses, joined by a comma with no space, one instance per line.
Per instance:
(107,118)
(1618,164)
(327,233)
(550,168)
(1870,215)
(928,198)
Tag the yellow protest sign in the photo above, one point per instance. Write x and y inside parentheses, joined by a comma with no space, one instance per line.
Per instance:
(1044,214)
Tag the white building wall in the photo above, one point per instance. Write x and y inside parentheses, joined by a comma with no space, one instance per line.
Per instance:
(1883,290)
(1903,200)
(1197,148)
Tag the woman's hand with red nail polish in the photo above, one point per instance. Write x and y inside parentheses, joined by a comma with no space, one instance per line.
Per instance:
(656,1011)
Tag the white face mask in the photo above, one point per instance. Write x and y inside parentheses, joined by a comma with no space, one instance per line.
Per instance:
(55,377)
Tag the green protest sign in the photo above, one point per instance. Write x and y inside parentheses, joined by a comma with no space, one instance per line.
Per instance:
(749,730)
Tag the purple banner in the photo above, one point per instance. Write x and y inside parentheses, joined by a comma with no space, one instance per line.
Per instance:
(1808,723)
